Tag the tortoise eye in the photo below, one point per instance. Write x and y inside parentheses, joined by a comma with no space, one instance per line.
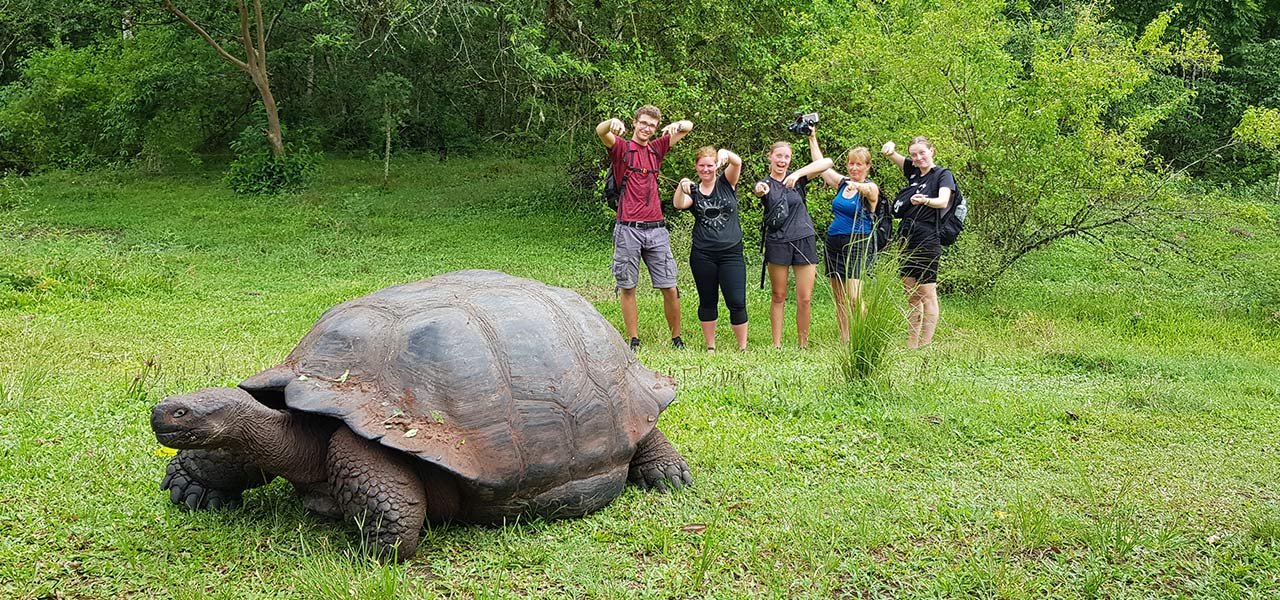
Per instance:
(177,414)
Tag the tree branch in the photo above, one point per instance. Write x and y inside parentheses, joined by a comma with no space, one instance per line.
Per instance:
(260,25)
(246,40)
(168,5)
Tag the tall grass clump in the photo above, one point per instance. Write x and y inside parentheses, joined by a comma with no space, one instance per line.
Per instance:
(875,320)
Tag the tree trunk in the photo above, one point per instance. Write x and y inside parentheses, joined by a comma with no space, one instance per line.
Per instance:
(386,158)
(254,63)
(275,137)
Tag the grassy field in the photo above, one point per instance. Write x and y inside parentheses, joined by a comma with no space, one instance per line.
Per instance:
(1078,432)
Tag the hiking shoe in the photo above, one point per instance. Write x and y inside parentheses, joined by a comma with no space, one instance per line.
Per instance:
(635,344)
(677,343)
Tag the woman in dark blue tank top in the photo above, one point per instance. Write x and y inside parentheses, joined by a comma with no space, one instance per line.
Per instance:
(850,248)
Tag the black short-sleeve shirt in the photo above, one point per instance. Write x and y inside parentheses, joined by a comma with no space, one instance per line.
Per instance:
(919,222)
(716,225)
(799,224)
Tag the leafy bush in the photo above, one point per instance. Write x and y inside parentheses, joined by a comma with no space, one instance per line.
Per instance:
(152,99)
(256,170)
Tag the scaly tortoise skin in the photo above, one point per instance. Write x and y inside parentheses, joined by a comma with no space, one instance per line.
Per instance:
(472,396)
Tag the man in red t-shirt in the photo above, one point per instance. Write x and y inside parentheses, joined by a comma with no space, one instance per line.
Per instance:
(640,232)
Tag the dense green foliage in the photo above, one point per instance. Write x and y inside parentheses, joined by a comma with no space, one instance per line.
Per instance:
(1080,431)
(256,170)
(1061,119)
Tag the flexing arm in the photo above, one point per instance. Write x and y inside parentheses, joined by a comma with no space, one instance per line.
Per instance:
(678,130)
(734,169)
(890,151)
(682,199)
(869,192)
(808,170)
(609,130)
(830,176)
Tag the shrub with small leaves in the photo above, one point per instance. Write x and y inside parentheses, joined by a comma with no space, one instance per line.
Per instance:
(256,170)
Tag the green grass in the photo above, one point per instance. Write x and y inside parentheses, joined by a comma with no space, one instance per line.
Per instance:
(1077,432)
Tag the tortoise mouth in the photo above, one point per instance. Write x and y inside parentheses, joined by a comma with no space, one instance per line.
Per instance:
(175,438)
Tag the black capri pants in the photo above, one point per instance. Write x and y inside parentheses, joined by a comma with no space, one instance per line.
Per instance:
(726,270)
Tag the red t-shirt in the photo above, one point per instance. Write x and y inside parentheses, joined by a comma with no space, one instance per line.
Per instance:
(640,201)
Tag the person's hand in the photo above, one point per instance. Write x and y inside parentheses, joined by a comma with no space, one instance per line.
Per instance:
(722,157)
(790,181)
(850,189)
(671,128)
(919,199)
(617,127)
(686,186)
(813,132)
(888,148)
(761,189)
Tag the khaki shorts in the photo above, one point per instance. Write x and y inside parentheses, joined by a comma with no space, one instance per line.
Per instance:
(630,244)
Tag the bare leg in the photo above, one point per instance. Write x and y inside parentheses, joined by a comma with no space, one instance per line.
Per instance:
(740,333)
(657,463)
(842,311)
(630,313)
(915,311)
(931,312)
(778,301)
(709,333)
(671,309)
(806,275)
(379,489)
(211,479)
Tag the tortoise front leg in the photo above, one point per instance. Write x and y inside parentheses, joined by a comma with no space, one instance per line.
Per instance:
(211,479)
(380,491)
(657,463)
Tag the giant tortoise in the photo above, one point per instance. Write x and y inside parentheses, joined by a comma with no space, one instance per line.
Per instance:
(472,396)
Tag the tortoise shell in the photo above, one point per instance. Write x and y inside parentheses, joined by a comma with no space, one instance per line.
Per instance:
(523,391)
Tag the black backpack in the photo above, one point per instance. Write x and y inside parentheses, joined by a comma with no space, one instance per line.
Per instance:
(612,189)
(951,221)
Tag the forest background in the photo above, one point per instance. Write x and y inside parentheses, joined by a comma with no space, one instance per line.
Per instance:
(1106,121)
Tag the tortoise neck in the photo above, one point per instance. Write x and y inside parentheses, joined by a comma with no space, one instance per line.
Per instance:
(289,444)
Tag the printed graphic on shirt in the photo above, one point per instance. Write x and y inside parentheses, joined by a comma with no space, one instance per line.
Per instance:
(714,212)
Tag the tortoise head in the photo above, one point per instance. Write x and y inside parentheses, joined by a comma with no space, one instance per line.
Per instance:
(208,418)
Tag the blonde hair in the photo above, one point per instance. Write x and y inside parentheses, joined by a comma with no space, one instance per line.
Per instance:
(861,153)
(777,145)
(706,151)
(920,139)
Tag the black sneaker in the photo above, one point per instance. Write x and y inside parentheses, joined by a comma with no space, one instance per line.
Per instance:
(677,343)
(635,344)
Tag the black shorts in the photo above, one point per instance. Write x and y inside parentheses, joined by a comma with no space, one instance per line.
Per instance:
(849,257)
(921,263)
(803,251)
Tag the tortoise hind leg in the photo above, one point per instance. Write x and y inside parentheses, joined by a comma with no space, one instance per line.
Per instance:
(211,479)
(380,491)
(658,464)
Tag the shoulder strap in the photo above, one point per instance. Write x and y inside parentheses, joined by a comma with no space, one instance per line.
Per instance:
(622,188)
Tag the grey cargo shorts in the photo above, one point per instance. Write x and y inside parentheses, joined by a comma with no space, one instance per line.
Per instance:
(630,244)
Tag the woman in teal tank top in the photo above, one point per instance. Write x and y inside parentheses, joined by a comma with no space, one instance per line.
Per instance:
(850,248)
